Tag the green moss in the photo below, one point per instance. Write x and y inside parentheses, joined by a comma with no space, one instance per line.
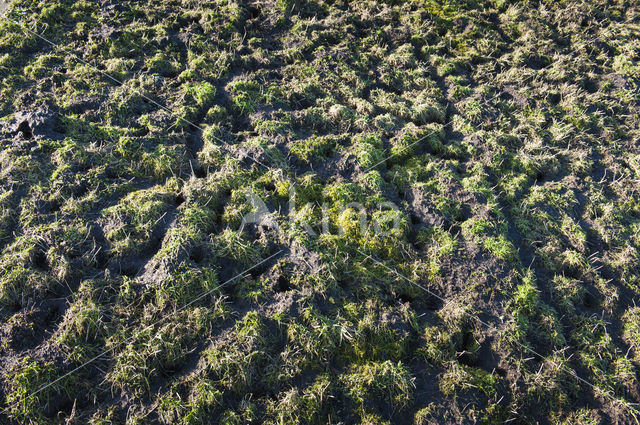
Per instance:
(202,93)
(314,148)
(246,95)
(368,150)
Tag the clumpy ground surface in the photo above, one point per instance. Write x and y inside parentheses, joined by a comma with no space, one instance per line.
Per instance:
(503,288)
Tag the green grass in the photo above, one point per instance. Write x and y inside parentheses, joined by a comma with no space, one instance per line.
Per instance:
(484,150)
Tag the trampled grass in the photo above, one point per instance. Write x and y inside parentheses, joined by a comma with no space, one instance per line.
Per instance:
(443,196)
